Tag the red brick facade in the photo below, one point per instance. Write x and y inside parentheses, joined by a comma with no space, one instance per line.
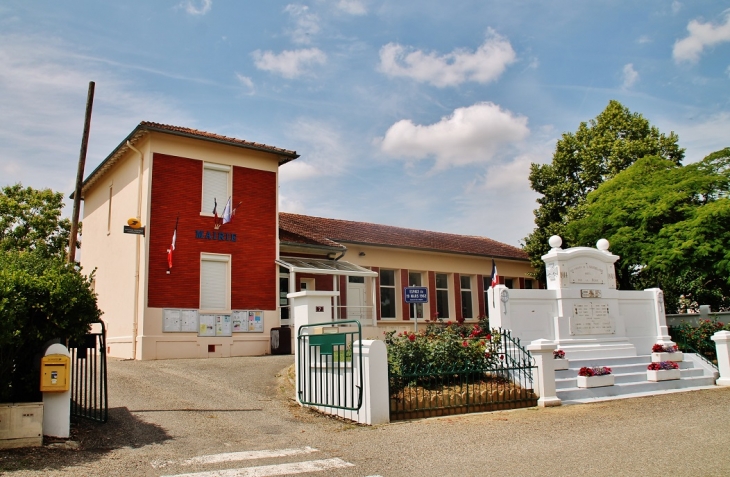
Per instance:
(177,191)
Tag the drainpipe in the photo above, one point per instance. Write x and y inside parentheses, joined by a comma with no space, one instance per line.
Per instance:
(137,251)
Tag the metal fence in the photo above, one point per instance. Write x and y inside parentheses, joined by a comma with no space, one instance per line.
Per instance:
(507,383)
(329,371)
(89,399)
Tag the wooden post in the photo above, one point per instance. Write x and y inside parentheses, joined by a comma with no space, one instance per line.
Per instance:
(80,176)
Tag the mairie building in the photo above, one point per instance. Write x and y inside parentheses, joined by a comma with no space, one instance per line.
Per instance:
(192,258)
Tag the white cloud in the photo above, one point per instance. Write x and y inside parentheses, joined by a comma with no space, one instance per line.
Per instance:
(644,39)
(289,63)
(306,23)
(700,135)
(630,76)
(246,82)
(701,35)
(474,134)
(353,7)
(197,7)
(323,152)
(485,64)
(293,206)
(44,89)
(676,7)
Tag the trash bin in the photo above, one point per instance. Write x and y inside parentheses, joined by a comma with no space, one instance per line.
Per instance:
(281,340)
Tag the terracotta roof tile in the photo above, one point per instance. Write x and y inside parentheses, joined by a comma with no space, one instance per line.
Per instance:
(334,232)
(206,135)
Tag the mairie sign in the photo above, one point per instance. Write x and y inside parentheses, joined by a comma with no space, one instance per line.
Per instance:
(416,294)
(215,235)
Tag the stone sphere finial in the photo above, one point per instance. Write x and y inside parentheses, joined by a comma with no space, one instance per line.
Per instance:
(555,241)
(602,245)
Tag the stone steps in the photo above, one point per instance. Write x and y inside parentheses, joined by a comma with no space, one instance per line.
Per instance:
(630,378)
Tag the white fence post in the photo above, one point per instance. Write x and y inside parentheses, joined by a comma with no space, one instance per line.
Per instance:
(722,345)
(375,400)
(542,351)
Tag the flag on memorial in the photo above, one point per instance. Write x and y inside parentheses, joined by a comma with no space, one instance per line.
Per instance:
(495,279)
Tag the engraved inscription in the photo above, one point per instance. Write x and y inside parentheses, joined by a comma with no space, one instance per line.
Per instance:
(591,319)
(552,272)
(586,273)
(590,293)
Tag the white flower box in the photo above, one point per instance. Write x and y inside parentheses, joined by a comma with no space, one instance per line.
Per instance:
(662,374)
(659,357)
(560,364)
(595,381)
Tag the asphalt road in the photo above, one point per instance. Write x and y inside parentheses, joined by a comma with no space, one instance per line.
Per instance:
(237,417)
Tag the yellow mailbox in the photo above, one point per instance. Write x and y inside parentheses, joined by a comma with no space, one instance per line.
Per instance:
(55,373)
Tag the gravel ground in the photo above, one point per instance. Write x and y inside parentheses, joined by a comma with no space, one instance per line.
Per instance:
(163,412)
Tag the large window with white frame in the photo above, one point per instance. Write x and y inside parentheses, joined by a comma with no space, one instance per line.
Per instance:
(387,293)
(442,295)
(215,282)
(467,298)
(216,187)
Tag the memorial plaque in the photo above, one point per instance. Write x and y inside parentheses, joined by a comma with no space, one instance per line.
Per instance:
(591,319)
(587,273)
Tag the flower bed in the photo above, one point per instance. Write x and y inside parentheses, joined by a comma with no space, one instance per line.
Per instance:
(559,358)
(594,377)
(660,353)
(662,371)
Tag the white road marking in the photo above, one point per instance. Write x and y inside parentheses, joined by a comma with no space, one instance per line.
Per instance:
(247,455)
(269,470)
(236,456)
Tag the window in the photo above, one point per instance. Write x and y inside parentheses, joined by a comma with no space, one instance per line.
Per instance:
(387,293)
(467,310)
(215,187)
(442,295)
(487,282)
(529,285)
(215,284)
(415,279)
(508,282)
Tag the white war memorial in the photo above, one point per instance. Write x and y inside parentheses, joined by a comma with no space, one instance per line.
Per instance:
(581,310)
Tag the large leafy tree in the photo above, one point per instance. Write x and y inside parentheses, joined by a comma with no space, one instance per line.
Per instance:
(30,219)
(669,224)
(42,297)
(583,160)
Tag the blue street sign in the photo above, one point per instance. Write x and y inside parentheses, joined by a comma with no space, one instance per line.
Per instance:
(416,294)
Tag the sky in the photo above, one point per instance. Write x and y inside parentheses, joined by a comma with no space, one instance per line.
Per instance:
(424,115)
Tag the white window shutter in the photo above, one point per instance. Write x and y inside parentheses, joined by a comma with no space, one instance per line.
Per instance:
(213,285)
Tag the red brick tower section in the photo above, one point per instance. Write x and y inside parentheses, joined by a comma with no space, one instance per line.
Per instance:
(177,191)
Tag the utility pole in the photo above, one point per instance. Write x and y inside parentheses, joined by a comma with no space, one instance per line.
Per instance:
(80,176)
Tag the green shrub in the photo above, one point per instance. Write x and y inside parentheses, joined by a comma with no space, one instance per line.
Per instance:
(441,347)
(41,298)
(698,337)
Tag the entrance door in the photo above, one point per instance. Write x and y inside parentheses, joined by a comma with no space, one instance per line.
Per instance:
(356,298)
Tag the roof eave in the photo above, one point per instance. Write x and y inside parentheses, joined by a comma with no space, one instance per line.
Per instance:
(435,250)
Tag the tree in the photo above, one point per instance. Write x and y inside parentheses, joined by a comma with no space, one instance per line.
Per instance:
(30,219)
(41,298)
(596,152)
(669,224)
